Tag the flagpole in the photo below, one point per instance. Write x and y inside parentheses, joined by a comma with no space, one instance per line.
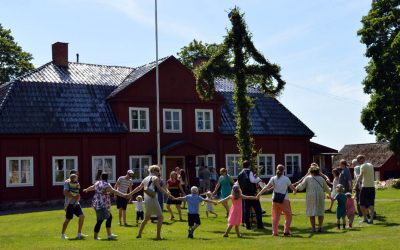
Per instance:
(157,92)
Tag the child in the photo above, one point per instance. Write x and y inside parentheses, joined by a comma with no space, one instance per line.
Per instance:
(341,206)
(210,205)
(335,173)
(139,208)
(350,209)
(73,186)
(193,200)
(235,212)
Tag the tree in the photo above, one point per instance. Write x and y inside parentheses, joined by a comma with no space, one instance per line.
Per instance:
(232,60)
(13,60)
(381,35)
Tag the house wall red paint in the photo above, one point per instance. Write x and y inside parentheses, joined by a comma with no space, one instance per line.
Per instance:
(177,91)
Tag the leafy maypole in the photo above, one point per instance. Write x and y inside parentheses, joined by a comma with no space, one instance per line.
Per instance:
(259,73)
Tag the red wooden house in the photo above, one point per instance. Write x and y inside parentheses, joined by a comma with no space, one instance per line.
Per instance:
(67,115)
(386,163)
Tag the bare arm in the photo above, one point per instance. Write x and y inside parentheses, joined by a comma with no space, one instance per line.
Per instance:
(224,200)
(91,188)
(137,189)
(157,184)
(245,197)
(180,198)
(114,191)
(216,188)
(269,185)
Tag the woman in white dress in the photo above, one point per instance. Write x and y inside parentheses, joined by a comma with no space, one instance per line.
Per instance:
(315,186)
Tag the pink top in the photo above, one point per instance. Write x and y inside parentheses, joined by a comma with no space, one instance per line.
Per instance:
(350,209)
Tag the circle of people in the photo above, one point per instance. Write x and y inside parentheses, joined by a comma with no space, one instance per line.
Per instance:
(242,194)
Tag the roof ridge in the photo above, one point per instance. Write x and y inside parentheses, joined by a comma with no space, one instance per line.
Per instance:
(20,78)
(5,97)
(101,65)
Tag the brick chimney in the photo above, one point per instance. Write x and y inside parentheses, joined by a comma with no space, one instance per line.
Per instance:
(60,54)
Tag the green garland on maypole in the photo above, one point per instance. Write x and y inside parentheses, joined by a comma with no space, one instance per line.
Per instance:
(262,75)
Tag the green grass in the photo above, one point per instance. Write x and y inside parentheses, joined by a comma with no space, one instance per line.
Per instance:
(41,230)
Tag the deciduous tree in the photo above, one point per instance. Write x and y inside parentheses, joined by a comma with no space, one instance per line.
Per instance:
(381,35)
(13,60)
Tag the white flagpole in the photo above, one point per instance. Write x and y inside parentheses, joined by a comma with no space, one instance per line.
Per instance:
(157,92)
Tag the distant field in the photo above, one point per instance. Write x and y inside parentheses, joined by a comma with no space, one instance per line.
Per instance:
(41,230)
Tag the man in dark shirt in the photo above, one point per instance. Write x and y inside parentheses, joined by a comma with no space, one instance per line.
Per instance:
(247,182)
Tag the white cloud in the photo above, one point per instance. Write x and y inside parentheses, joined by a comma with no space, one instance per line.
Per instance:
(143,12)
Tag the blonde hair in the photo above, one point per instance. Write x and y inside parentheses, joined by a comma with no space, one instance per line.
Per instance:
(222,170)
(172,174)
(154,168)
(73,177)
(279,170)
(209,194)
(139,197)
(314,168)
(340,188)
(194,190)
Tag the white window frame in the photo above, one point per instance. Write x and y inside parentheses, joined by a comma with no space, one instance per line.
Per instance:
(138,109)
(8,168)
(206,159)
(236,164)
(286,164)
(211,120)
(272,163)
(103,157)
(140,157)
(66,172)
(179,130)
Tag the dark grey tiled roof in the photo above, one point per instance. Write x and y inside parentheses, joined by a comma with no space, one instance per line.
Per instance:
(268,117)
(136,74)
(58,108)
(53,99)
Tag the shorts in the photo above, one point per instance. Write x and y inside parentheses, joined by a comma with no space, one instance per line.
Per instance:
(102,214)
(73,209)
(367,196)
(193,219)
(139,215)
(122,203)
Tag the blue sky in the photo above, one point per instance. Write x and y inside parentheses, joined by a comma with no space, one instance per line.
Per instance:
(314,41)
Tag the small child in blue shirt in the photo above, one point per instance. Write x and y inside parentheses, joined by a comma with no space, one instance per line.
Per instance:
(193,200)
(341,205)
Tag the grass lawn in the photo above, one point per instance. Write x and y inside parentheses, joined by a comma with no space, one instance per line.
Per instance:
(41,230)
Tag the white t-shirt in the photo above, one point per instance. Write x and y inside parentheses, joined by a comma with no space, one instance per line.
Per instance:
(367,171)
(139,205)
(280,184)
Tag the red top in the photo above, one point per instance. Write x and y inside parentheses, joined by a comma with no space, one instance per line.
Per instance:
(173,183)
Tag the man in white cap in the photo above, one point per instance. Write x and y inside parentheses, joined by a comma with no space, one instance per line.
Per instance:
(124,185)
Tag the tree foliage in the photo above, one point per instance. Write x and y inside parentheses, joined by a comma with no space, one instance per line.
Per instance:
(13,60)
(237,58)
(381,35)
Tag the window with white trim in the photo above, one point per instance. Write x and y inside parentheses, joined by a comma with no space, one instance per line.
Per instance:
(101,164)
(140,166)
(172,120)
(139,119)
(266,165)
(232,164)
(292,164)
(62,166)
(204,120)
(206,160)
(19,171)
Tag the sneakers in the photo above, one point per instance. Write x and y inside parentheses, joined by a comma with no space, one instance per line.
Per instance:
(81,236)
(97,238)
(190,233)
(364,221)
(64,237)
(112,236)
(371,221)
